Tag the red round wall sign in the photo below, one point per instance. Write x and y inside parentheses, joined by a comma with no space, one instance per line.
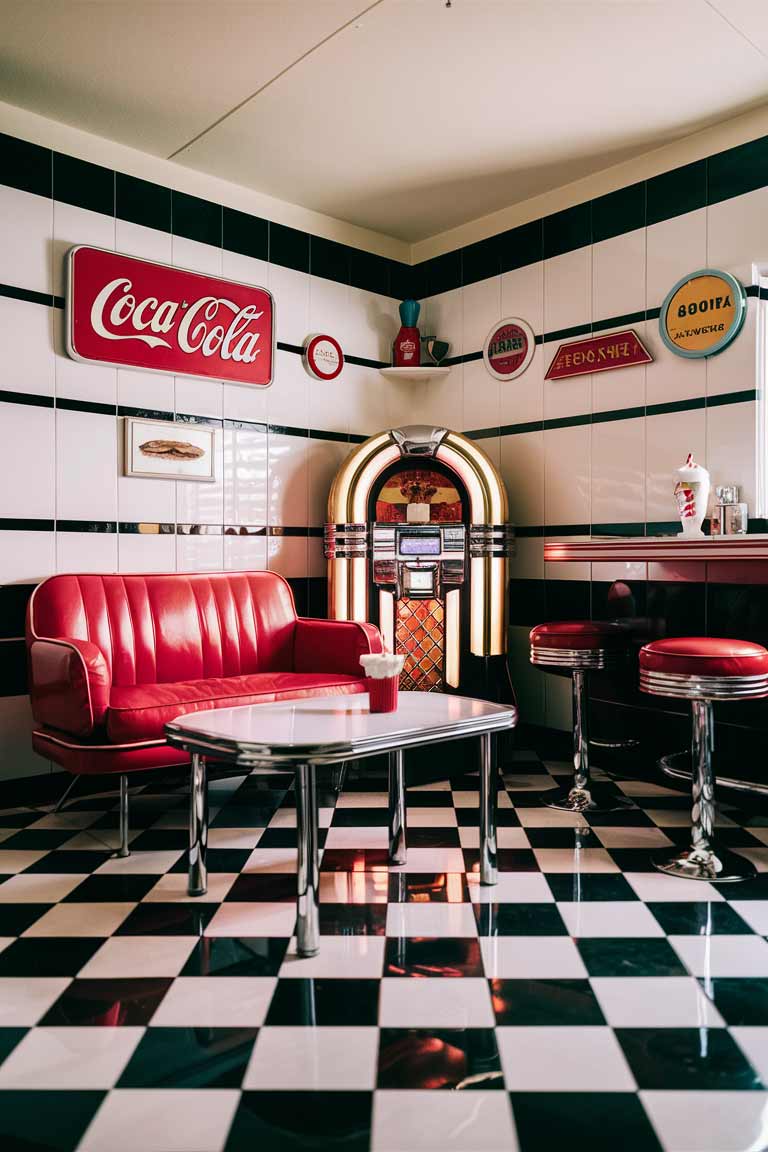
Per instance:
(509,348)
(323,357)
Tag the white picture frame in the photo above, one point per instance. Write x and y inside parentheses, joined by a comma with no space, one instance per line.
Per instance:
(178,451)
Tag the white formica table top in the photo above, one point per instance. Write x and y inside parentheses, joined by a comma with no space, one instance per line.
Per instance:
(326,729)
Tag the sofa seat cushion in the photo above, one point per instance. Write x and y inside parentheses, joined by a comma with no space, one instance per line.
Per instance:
(140,711)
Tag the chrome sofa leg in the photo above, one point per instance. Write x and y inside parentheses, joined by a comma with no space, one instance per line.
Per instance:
(123,850)
(488,802)
(397,845)
(65,795)
(198,827)
(307,911)
(704,860)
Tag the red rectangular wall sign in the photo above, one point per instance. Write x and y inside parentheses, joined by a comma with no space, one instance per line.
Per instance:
(138,314)
(598,354)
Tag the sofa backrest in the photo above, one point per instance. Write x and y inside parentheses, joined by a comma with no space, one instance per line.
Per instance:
(158,628)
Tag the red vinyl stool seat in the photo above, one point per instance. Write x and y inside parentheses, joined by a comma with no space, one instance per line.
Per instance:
(703,669)
(577,643)
(579,646)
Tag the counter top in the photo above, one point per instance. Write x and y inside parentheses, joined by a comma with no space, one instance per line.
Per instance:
(659,548)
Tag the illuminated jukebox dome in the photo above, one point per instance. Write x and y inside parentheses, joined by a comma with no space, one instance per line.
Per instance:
(418,542)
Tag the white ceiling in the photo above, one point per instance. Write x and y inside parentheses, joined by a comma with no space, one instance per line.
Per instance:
(402,116)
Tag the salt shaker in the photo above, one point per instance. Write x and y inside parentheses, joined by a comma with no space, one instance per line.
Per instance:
(730,516)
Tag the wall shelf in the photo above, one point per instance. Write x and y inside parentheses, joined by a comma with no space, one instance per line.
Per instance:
(415,374)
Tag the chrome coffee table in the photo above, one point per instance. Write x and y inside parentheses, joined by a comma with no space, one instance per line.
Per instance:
(300,734)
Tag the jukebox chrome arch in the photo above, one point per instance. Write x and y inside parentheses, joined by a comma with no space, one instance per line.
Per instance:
(366,564)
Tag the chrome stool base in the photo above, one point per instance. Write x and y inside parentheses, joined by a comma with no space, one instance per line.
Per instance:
(592,799)
(714,865)
(677,765)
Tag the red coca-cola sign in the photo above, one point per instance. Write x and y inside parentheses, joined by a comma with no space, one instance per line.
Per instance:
(138,314)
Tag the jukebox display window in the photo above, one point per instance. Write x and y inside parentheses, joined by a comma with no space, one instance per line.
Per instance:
(418,545)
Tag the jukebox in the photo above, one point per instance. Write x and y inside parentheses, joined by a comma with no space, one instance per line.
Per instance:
(417,541)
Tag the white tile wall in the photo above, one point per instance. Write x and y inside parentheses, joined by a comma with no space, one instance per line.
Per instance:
(27,453)
(618,275)
(522,294)
(86,466)
(732,448)
(522,469)
(669,439)
(149,390)
(618,465)
(26,335)
(86,552)
(674,247)
(27,557)
(26,239)
(245,553)
(567,475)
(245,476)
(146,243)
(624,388)
(287,488)
(147,553)
(568,290)
(77,226)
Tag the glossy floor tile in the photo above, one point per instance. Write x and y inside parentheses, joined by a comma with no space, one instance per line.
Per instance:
(584,1001)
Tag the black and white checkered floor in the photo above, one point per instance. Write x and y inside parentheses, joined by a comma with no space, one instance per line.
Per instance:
(586,1002)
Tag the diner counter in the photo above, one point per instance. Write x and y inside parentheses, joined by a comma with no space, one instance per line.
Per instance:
(658,548)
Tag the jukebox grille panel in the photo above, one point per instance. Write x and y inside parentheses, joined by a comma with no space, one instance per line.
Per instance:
(419,636)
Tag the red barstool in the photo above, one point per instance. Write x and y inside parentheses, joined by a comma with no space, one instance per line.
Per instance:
(580,646)
(703,669)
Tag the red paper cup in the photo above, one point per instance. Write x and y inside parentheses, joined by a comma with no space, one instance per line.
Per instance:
(383,693)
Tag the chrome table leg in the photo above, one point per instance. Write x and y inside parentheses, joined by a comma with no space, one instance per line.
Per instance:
(307,913)
(704,860)
(488,800)
(198,827)
(338,776)
(123,850)
(397,846)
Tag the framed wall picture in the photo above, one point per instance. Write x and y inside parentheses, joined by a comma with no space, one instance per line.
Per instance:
(168,450)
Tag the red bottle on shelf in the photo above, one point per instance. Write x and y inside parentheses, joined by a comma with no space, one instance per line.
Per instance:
(406,350)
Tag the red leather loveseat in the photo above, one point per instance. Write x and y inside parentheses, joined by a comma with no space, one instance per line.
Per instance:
(114,658)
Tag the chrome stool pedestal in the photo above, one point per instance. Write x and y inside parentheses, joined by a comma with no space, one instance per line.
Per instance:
(703,670)
(580,646)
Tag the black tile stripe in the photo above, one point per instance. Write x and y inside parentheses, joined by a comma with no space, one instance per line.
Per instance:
(26,294)
(747,395)
(151,528)
(37,400)
(83,184)
(722,176)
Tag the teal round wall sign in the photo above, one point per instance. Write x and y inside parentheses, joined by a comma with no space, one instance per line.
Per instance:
(703,313)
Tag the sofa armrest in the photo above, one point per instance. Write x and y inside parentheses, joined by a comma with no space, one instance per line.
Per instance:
(69,685)
(333,645)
